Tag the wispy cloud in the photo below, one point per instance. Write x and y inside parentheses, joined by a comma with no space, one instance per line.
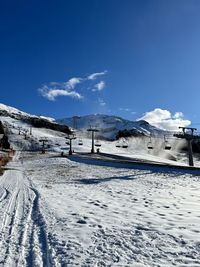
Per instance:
(71,87)
(71,83)
(129,110)
(52,94)
(99,86)
(94,76)
(165,120)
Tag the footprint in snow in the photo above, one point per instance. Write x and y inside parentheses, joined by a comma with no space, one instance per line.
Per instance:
(81,221)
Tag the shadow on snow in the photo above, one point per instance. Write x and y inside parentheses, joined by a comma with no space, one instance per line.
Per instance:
(174,171)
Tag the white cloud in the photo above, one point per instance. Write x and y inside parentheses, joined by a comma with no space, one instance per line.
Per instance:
(99,86)
(94,76)
(51,94)
(71,83)
(165,120)
(54,89)
(128,110)
(178,115)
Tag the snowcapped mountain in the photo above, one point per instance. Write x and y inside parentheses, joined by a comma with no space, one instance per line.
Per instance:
(32,120)
(11,111)
(111,126)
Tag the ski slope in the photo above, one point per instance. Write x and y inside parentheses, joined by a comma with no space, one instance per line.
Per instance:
(58,212)
(22,230)
(63,211)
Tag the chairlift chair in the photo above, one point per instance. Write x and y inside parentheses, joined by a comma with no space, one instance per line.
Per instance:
(124,144)
(80,142)
(97,143)
(118,144)
(167,144)
(150,145)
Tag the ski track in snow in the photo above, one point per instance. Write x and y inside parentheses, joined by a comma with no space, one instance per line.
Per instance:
(23,240)
(57,212)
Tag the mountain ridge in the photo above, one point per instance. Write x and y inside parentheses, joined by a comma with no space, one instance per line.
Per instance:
(110,127)
(33,120)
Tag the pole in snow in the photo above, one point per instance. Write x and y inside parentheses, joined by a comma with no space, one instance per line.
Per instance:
(188,134)
(93,130)
(70,137)
(43,140)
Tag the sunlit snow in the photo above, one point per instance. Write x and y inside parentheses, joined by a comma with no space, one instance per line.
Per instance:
(80,211)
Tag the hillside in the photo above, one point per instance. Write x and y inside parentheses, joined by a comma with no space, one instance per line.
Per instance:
(32,120)
(110,126)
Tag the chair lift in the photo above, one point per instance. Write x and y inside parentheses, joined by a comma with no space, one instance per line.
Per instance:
(97,143)
(124,144)
(167,144)
(118,144)
(150,145)
(80,142)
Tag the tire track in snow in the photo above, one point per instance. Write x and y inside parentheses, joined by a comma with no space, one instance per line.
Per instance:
(8,224)
(4,194)
(38,236)
(23,227)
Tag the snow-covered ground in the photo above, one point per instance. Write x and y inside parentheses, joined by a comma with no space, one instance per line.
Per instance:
(66,211)
(58,212)
(137,147)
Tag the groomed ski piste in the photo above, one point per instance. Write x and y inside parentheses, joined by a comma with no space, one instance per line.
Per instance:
(96,211)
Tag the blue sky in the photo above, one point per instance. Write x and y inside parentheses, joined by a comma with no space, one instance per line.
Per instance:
(145,54)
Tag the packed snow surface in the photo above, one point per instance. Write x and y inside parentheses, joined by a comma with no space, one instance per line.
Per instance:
(78,211)
(59,212)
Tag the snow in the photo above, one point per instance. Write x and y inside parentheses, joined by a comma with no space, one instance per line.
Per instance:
(57,212)
(12,110)
(96,210)
(109,126)
(47,118)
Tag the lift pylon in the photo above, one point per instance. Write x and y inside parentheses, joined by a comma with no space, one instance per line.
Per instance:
(92,130)
(188,134)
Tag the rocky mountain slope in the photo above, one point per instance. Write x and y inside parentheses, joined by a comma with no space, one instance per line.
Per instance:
(112,127)
(32,120)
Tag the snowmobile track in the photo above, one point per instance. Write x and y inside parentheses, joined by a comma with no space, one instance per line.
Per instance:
(38,234)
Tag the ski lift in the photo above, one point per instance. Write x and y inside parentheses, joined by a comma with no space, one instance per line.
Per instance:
(124,144)
(97,143)
(150,145)
(80,142)
(167,144)
(118,144)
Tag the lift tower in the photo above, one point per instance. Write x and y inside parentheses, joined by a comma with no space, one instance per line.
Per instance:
(70,137)
(93,130)
(188,134)
(43,140)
